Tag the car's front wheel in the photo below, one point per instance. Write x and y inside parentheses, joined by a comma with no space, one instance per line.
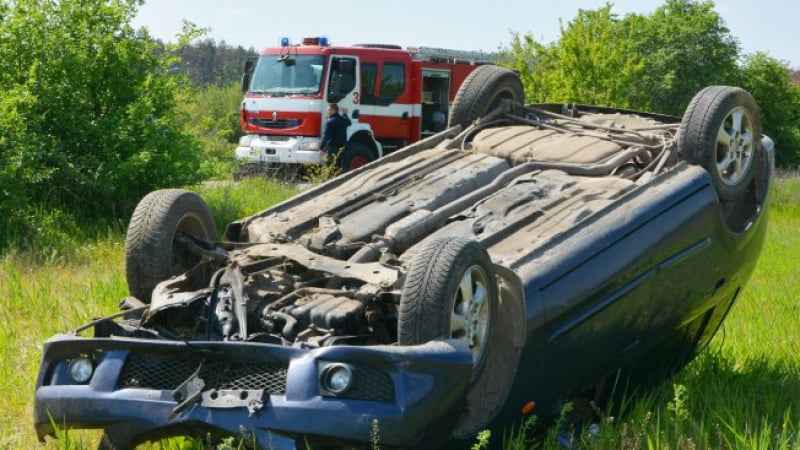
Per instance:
(450,291)
(152,252)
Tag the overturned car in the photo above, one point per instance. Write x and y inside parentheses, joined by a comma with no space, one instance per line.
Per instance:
(537,254)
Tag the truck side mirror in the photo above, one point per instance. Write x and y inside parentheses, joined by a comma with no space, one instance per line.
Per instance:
(346,65)
(247,73)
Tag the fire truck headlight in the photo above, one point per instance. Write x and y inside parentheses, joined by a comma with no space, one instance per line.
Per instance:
(244,141)
(309,145)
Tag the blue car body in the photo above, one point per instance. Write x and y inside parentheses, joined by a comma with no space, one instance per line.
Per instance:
(596,276)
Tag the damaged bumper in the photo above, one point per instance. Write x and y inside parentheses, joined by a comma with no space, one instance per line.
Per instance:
(142,389)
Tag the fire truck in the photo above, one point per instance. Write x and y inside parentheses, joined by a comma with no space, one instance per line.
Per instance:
(393,96)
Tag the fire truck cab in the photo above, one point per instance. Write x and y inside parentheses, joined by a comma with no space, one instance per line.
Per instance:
(393,96)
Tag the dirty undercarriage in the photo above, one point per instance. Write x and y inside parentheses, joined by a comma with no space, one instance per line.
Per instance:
(328,270)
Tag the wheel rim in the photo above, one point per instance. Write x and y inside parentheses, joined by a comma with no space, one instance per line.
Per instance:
(735,146)
(470,319)
(357,162)
(182,258)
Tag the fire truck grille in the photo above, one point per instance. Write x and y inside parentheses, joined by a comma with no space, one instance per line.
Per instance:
(276,124)
(167,373)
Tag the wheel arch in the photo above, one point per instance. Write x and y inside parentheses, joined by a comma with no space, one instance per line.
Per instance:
(362,133)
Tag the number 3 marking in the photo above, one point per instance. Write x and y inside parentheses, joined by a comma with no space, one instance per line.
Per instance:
(355,98)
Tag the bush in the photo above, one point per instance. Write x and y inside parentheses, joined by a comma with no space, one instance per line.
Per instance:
(88,119)
(770,82)
(214,118)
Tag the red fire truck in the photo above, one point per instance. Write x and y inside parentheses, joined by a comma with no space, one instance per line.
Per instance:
(393,96)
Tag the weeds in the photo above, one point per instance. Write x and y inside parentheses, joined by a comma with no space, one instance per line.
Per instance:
(328,170)
(375,435)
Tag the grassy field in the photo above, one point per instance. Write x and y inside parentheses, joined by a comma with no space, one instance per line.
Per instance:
(743,392)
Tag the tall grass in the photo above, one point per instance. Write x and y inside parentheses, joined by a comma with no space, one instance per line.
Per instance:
(743,392)
(84,279)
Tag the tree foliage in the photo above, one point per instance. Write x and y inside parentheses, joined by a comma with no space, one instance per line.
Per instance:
(87,111)
(207,62)
(685,47)
(770,82)
(592,62)
(656,62)
(214,119)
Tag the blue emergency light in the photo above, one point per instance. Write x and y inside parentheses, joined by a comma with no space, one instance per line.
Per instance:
(285,42)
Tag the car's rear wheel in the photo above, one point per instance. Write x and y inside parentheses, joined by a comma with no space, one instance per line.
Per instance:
(721,131)
(450,291)
(482,91)
(152,252)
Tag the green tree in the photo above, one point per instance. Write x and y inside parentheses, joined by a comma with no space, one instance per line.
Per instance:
(214,118)
(655,62)
(685,47)
(208,62)
(592,62)
(87,110)
(770,82)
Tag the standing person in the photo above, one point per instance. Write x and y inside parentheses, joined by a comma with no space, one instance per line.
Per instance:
(335,136)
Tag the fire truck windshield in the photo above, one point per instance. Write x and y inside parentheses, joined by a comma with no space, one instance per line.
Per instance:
(285,75)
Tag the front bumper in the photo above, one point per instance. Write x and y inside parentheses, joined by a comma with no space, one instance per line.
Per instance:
(265,393)
(292,150)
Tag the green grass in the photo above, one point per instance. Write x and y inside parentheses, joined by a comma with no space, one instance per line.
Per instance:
(743,392)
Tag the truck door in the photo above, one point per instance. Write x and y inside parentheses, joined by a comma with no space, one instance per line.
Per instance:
(387,103)
(343,83)
(367,97)
(435,104)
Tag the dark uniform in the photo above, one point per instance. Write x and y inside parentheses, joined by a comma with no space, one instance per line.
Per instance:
(335,136)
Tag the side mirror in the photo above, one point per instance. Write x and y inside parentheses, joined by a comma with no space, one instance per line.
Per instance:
(347,65)
(245,82)
(247,73)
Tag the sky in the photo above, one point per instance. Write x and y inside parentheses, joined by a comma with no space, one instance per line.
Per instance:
(763,25)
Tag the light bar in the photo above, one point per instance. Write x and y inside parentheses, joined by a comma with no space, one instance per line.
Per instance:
(316,40)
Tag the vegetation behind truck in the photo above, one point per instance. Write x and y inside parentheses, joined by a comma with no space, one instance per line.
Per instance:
(393,96)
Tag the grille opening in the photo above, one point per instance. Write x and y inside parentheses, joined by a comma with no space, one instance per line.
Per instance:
(167,373)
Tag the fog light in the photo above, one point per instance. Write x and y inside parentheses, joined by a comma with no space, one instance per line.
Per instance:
(81,369)
(337,378)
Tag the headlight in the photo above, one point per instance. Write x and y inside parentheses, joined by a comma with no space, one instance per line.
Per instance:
(309,145)
(245,140)
(337,378)
(81,369)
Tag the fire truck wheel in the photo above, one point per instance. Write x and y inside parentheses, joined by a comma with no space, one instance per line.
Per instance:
(482,91)
(356,155)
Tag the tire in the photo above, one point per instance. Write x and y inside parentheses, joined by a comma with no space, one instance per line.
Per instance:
(151,253)
(354,156)
(721,131)
(482,91)
(450,285)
